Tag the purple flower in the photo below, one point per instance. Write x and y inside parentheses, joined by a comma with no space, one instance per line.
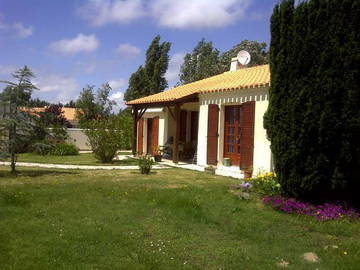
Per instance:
(326,211)
(246,185)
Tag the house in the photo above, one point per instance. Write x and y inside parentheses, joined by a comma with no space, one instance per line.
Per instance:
(68,113)
(209,122)
(76,135)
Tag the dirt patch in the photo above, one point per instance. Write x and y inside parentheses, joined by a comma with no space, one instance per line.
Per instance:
(311,257)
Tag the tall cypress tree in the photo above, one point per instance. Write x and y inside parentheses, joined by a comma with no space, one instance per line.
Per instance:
(313,119)
(150,78)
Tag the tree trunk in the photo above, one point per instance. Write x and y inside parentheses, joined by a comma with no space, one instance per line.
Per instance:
(12,149)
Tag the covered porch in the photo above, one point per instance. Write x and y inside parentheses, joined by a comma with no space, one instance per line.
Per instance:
(169,127)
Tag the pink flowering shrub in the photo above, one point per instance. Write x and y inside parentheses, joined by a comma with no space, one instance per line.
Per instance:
(322,212)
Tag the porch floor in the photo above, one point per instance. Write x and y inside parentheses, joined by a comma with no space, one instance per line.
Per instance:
(232,171)
(182,165)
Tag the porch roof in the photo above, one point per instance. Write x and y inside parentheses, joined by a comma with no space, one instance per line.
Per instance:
(253,77)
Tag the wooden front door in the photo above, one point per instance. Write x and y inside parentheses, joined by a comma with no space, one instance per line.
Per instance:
(149,137)
(152,135)
(140,136)
(232,134)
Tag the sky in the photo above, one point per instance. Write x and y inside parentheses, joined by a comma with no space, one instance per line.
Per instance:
(69,44)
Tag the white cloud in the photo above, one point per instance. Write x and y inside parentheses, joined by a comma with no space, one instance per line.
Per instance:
(56,87)
(198,13)
(116,84)
(81,43)
(16,29)
(127,49)
(195,14)
(100,12)
(21,31)
(118,97)
(172,74)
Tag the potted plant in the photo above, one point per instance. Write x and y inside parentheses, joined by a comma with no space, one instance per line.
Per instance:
(158,153)
(248,171)
(145,163)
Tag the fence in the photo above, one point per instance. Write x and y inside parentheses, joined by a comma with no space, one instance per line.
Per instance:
(78,137)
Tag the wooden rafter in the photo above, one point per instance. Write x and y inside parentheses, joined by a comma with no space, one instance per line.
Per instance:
(171,112)
(141,113)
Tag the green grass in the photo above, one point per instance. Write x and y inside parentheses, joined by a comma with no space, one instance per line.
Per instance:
(170,219)
(81,159)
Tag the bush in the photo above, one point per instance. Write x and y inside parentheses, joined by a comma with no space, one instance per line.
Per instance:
(313,115)
(107,136)
(41,148)
(145,163)
(64,149)
(266,184)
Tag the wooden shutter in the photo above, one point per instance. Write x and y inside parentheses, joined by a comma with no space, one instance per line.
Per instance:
(247,135)
(155,135)
(140,136)
(194,126)
(183,116)
(212,135)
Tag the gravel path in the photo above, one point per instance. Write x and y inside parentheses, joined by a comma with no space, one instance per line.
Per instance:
(78,167)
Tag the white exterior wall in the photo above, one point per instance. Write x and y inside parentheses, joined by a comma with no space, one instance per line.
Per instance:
(162,113)
(262,152)
(202,136)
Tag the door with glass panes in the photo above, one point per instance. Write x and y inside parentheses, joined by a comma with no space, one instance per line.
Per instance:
(232,134)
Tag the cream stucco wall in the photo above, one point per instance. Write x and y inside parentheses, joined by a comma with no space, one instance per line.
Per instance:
(262,152)
(163,126)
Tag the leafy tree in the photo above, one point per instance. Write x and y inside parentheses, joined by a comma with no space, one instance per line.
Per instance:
(93,106)
(206,61)
(150,78)
(52,118)
(257,50)
(314,108)
(37,103)
(201,63)
(70,104)
(138,85)
(16,122)
(107,136)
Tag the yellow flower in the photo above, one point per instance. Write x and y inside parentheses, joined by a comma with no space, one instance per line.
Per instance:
(345,253)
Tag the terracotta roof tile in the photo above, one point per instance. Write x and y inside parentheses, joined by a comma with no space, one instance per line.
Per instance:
(252,77)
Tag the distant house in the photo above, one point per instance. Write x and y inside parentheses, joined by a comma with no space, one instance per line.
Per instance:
(76,135)
(209,122)
(69,114)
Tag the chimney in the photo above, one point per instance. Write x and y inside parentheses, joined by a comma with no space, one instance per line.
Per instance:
(235,65)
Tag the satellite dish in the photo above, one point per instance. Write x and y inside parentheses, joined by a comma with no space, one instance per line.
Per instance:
(243,57)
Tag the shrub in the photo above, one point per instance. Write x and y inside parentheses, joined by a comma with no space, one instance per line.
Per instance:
(266,184)
(313,115)
(64,149)
(41,148)
(107,136)
(145,163)
(322,212)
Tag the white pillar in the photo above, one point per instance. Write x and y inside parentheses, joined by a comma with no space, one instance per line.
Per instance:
(202,136)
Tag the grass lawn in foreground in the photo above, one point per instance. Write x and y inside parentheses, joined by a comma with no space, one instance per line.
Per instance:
(170,219)
(81,159)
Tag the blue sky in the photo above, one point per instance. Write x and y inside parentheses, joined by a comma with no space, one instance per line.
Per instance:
(72,43)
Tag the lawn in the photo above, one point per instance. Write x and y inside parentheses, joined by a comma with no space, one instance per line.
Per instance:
(81,159)
(170,219)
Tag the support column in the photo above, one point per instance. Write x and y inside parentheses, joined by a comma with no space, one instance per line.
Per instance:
(176,134)
(134,131)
